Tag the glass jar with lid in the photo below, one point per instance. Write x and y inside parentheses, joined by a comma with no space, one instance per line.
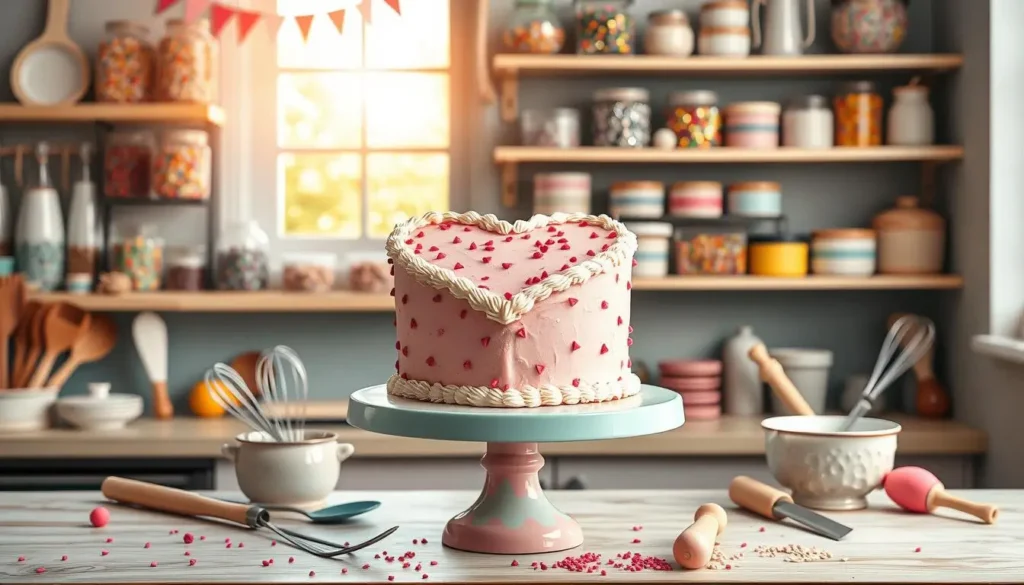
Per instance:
(858,111)
(185,63)
(125,63)
(622,117)
(186,266)
(243,261)
(182,165)
(127,164)
(140,256)
(605,27)
(695,118)
(807,122)
(559,127)
(668,33)
(534,28)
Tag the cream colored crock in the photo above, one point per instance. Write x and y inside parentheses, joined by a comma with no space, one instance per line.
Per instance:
(911,240)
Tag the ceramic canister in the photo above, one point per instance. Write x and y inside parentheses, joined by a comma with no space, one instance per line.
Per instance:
(724,13)
(911,240)
(637,199)
(565,192)
(752,124)
(755,199)
(653,241)
(695,199)
(847,252)
(777,256)
(808,369)
(730,41)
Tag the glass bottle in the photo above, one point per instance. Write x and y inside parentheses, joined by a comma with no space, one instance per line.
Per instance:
(243,261)
(185,63)
(125,63)
(534,28)
(182,165)
(83,247)
(40,235)
(141,257)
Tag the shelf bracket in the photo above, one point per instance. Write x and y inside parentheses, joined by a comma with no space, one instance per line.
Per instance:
(929,170)
(509,184)
(509,97)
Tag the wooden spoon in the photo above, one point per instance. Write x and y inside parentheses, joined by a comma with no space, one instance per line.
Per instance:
(62,328)
(30,342)
(94,344)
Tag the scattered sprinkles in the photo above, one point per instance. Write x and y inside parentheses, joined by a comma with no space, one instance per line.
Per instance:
(187,538)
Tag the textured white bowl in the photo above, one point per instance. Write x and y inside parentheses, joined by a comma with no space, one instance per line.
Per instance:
(100,414)
(825,468)
(25,410)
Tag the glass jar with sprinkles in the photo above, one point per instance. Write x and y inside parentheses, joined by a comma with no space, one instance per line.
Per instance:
(605,27)
(141,257)
(185,61)
(858,111)
(622,117)
(534,28)
(695,118)
(125,63)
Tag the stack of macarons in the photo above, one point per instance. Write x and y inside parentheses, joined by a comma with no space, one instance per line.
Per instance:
(699,382)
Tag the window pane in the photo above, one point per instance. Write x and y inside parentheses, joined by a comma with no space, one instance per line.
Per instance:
(418,39)
(404,185)
(407,110)
(319,110)
(320,195)
(325,49)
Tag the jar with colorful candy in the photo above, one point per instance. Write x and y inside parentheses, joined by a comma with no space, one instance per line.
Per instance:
(695,118)
(243,261)
(127,162)
(711,250)
(141,258)
(605,27)
(182,165)
(125,64)
(185,62)
(858,112)
(534,28)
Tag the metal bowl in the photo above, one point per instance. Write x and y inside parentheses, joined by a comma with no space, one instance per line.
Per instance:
(828,469)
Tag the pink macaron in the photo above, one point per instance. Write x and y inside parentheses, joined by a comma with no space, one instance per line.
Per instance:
(704,384)
(690,368)
(701,398)
(703,412)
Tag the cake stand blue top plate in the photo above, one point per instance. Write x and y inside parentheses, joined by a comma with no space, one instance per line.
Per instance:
(654,410)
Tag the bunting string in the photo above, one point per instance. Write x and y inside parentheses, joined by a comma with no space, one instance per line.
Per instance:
(221,15)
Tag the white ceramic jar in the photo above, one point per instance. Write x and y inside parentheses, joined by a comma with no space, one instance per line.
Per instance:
(843,252)
(730,41)
(807,122)
(668,33)
(724,13)
(695,199)
(911,240)
(808,369)
(637,199)
(653,241)
(565,192)
(911,121)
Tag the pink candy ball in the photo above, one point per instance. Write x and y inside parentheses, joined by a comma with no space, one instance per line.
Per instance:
(99,517)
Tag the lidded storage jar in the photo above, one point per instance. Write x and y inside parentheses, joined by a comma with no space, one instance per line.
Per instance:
(565,192)
(843,252)
(695,118)
(695,199)
(653,240)
(911,121)
(125,63)
(808,122)
(636,199)
(127,164)
(534,28)
(186,59)
(622,117)
(182,165)
(559,127)
(141,257)
(605,27)
(243,261)
(911,240)
(668,33)
(858,111)
(752,124)
(186,266)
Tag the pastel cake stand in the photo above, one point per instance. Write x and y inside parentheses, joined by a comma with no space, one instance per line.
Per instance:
(512,515)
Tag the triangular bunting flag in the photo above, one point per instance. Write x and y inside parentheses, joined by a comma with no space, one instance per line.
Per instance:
(364,9)
(338,18)
(220,16)
(245,21)
(194,9)
(273,23)
(304,23)
(162,5)
(394,6)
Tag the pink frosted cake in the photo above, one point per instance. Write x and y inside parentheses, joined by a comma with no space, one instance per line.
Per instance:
(496,314)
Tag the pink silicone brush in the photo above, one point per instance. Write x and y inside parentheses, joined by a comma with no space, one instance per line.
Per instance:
(917,490)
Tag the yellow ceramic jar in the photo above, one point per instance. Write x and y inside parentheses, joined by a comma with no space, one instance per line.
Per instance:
(778,256)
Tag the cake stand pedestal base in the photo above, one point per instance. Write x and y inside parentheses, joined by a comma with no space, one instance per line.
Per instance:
(512,515)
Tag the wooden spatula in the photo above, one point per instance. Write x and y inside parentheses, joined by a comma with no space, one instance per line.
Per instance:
(94,344)
(150,334)
(62,328)
(29,342)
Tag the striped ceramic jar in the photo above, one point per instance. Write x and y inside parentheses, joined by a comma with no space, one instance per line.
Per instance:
(565,192)
(695,199)
(653,240)
(752,124)
(844,252)
(755,199)
(637,199)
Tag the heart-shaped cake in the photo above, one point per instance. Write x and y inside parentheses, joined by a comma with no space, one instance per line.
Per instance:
(498,314)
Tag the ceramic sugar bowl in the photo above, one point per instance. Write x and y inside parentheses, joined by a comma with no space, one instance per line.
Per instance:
(300,474)
(911,240)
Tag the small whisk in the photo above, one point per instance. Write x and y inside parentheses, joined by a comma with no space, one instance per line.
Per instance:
(908,340)
(278,370)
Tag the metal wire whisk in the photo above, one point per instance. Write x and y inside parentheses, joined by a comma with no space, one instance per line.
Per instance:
(281,378)
(908,340)
(228,389)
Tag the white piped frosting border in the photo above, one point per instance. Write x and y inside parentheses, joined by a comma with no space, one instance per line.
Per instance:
(525,397)
(494,306)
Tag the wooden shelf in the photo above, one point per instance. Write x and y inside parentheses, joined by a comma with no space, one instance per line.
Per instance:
(114,113)
(350,302)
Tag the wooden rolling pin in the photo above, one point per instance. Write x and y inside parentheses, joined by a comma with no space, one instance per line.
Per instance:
(693,548)
(770,371)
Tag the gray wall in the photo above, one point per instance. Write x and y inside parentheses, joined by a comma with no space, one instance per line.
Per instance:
(345,352)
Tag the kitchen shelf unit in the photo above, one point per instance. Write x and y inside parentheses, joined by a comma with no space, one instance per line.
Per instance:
(352,302)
